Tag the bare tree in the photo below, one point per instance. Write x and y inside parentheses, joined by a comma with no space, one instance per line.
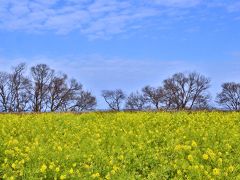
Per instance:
(84,101)
(186,91)
(19,87)
(14,90)
(42,76)
(229,97)
(4,92)
(58,92)
(114,98)
(153,95)
(136,101)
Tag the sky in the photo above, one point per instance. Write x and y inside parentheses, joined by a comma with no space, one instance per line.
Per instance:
(127,44)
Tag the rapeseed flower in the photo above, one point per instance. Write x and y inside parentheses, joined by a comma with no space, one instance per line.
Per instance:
(205,157)
(63,177)
(179,172)
(216,171)
(190,157)
(86,166)
(13,165)
(220,161)
(96,175)
(71,171)
(43,168)
(194,144)
(108,176)
(51,166)
(230,168)
(57,169)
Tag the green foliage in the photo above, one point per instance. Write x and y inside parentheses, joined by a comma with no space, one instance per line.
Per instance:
(141,145)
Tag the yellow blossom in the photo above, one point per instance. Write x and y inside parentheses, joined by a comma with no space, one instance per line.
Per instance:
(230,168)
(211,154)
(179,172)
(115,168)
(27,149)
(216,171)
(71,171)
(113,171)
(178,147)
(51,166)
(190,157)
(21,173)
(205,156)
(220,161)
(96,175)
(57,169)
(86,166)
(43,168)
(121,157)
(194,144)
(63,177)
(59,148)
(14,166)
(108,176)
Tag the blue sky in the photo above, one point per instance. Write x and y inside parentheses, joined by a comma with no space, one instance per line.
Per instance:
(108,44)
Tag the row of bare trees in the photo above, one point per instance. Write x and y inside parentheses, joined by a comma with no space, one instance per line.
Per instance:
(42,90)
(179,92)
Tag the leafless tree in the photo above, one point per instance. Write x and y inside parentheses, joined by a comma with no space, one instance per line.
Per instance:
(66,96)
(136,101)
(84,101)
(114,98)
(153,95)
(229,97)
(42,76)
(19,87)
(58,92)
(4,92)
(14,90)
(186,91)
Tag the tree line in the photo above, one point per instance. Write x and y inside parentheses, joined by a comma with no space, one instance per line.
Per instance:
(45,90)
(41,91)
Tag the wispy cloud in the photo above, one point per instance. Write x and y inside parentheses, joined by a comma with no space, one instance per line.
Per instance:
(98,18)
(94,18)
(235,54)
(110,72)
(107,72)
(231,5)
(178,3)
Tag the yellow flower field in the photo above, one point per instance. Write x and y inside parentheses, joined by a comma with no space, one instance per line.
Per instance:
(141,145)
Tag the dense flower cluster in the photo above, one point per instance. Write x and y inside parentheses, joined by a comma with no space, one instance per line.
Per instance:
(141,145)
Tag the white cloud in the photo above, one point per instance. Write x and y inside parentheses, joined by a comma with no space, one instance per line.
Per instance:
(178,3)
(97,18)
(106,72)
(234,7)
(235,54)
